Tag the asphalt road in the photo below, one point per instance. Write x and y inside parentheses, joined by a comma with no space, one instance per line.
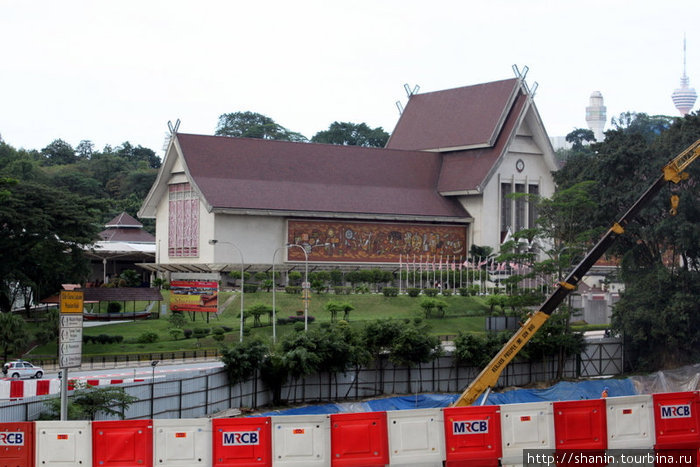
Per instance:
(164,369)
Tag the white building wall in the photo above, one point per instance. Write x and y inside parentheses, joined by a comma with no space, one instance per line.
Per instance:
(486,207)
(256,236)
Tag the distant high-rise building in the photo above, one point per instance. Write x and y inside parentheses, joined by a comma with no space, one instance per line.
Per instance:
(685,96)
(596,115)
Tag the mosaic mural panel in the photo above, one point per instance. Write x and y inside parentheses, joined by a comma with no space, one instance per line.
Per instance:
(374,242)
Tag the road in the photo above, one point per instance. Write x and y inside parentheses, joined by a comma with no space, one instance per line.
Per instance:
(161,370)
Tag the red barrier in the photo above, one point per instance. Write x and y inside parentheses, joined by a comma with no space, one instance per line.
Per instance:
(93,382)
(473,434)
(16,389)
(580,426)
(42,387)
(122,443)
(242,442)
(359,439)
(17,444)
(677,420)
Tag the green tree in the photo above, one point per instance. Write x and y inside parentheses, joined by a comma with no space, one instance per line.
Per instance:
(333,308)
(44,230)
(254,125)
(242,360)
(59,152)
(86,402)
(657,250)
(412,347)
(578,137)
(274,373)
(14,335)
(131,277)
(352,134)
(258,310)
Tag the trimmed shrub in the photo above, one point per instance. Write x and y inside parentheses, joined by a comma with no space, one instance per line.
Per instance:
(446,292)
(187,333)
(342,290)
(363,289)
(114,307)
(297,319)
(201,332)
(390,291)
(464,291)
(299,326)
(147,337)
(413,291)
(430,292)
(293,289)
(250,288)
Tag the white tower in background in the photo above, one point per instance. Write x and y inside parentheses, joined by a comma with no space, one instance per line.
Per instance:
(596,115)
(685,96)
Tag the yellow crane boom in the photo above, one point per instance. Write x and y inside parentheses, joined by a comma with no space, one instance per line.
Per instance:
(672,172)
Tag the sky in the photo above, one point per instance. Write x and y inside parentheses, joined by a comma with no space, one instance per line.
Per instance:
(116,71)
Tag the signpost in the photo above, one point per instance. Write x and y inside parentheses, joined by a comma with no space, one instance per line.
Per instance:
(70,347)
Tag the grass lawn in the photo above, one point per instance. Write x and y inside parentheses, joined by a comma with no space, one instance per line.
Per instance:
(462,314)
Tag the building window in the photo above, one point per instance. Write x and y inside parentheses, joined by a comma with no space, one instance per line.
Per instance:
(532,207)
(506,208)
(517,214)
(183,221)
(520,208)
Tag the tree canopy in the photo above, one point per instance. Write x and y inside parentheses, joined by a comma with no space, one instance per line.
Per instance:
(54,202)
(44,230)
(254,125)
(660,253)
(352,134)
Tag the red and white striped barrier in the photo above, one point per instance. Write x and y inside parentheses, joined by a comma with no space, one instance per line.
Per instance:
(19,388)
(453,437)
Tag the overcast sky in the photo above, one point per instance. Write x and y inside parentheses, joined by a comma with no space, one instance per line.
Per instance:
(115,71)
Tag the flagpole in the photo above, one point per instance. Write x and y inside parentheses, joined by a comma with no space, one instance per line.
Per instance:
(400,272)
(420,269)
(414,270)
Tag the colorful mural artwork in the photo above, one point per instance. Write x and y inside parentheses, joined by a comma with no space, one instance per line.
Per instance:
(368,242)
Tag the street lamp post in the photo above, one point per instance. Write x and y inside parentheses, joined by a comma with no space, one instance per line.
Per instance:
(153,380)
(274,310)
(214,242)
(305,285)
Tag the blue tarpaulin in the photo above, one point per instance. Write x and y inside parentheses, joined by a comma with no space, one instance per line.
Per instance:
(564,391)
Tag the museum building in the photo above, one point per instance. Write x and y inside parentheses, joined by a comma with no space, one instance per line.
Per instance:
(440,185)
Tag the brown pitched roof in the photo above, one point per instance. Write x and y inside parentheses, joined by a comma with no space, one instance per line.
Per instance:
(254,174)
(124,220)
(115,294)
(127,235)
(124,228)
(467,170)
(453,119)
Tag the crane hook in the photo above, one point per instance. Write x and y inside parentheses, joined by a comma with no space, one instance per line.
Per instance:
(675,200)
